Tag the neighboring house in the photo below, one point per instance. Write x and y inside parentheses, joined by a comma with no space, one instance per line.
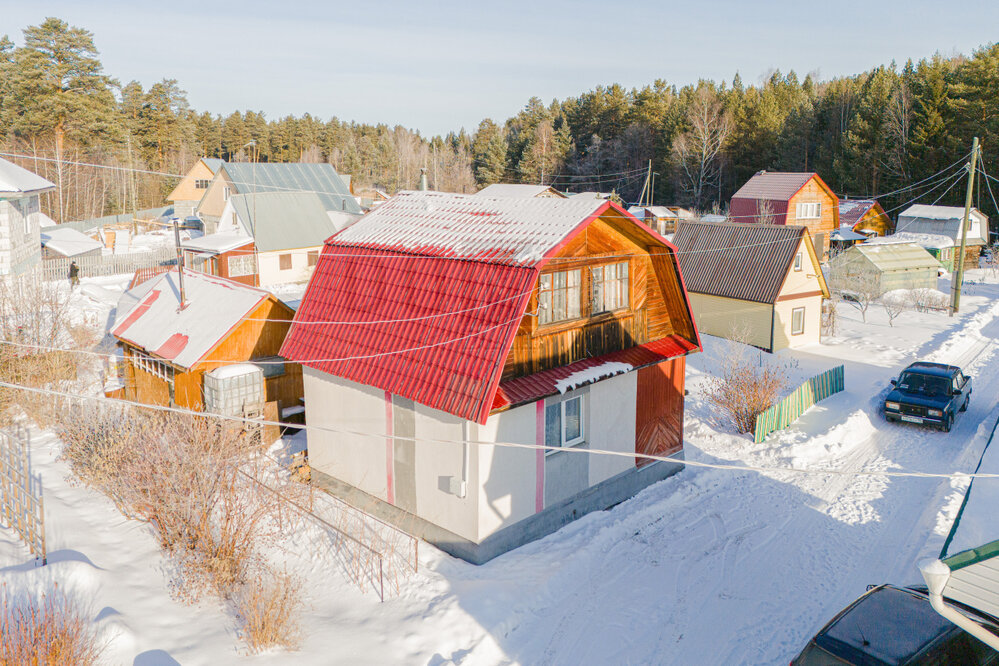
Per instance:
(944,222)
(229,255)
(662,218)
(446,324)
(889,265)
(20,217)
(864,216)
(844,237)
(371,197)
(248,178)
(192,187)
(761,283)
(504,190)
(62,242)
(801,199)
(169,345)
(287,228)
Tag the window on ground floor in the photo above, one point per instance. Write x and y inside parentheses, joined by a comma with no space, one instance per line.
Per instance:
(564,422)
(797,321)
(313,257)
(284,262)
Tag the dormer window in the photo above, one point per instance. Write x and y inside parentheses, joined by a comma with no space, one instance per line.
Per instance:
(610,287)
(559,296)
(808,211)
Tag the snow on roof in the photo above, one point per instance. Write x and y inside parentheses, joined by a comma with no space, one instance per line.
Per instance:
(506,190)
(341,220)
(934,241)
(590,375)
(928,212)
(773,186)
(892,256)
(16,180)
(851,210)
(496,230)
(157,324)
(661,211)
(45,221)
(68,241)
(217,243)
(846,233)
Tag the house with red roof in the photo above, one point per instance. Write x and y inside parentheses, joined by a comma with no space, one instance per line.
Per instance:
(483,370)
(170,343)
(801,199)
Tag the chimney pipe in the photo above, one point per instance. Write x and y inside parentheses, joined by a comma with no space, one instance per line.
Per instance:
(180,262)
(423,180)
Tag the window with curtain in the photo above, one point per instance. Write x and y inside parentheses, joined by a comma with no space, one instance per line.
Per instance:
(609,289)
(559,297)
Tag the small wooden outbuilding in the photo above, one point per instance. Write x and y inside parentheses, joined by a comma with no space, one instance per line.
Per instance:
(169,344)
(864,216)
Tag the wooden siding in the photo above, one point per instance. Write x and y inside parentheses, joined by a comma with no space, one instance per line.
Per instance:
(659,409)
(874,220)
(828,221)
(655,303)
(186,190)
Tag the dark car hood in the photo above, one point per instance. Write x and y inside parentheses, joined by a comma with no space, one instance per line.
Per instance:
(920,399)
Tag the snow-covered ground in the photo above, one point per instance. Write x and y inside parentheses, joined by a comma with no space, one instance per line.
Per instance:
(707,567)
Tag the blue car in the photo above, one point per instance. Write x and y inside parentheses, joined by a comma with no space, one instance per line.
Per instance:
(928,394)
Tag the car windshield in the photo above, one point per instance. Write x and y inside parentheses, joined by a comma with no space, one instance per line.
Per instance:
(928,384)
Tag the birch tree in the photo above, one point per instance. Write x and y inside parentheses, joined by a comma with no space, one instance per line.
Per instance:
(697,151)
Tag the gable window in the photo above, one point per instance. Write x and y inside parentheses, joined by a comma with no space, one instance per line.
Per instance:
(797,262)
(564,422)
(797,321)
(610,287)
(225,193)
(313,257)
(240,265)
(808,211)
(559,296)
(201,183)
(284,262)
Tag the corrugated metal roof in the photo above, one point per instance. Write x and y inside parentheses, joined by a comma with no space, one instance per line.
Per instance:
(531,388)
(928,212)
(889,256)
(445,281)
(851,210)
(155,322)
(213,164)
(16,180)
(742,261)
(497,230)
(285,220)
(512,191)
(321,179)
(773,186)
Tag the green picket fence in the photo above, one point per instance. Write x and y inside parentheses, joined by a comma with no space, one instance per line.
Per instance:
(787,411)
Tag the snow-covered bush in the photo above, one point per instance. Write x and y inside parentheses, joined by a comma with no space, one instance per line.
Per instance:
(53,628)
(267,608)
(744,386)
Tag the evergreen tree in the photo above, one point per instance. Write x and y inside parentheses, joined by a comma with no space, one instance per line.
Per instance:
(489,149)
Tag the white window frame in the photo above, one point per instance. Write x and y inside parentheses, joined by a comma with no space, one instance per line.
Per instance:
(225,193)
(801,329)
(603,300)
(797,261)
(809,210)
(560,406)
(546,297)
(240,265)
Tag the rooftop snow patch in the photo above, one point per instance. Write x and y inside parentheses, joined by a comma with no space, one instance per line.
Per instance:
(15,180)
(68,241)
(935,241)
(590,375)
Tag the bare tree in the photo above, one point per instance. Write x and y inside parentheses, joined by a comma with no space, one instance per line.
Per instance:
(764,212)
(894,305)
(858,286)
(697,151)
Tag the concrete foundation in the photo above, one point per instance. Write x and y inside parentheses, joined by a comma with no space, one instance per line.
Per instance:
(595,498)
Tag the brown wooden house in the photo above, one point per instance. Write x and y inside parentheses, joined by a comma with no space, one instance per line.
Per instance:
(801,199)
(864,216)
(555,323)
(170,344)
(229,255)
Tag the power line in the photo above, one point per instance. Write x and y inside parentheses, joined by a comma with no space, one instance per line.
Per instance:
(516,445)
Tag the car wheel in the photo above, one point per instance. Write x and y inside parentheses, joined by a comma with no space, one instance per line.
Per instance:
(948,422)
(964,407)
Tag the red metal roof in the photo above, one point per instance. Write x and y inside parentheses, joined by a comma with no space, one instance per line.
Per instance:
(443,296)
(521,390)
(773,186)
(851,210)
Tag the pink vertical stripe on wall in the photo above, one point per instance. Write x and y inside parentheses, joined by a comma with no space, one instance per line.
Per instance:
(539,439)
(389,454)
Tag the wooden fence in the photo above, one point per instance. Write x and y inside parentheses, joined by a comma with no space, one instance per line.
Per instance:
(21,506)
(111,264)
(787,411)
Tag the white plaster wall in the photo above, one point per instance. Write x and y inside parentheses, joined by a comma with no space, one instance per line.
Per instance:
(300,271)
(611,425)
(437,462)
(507,476)
(345,405)
(20,251)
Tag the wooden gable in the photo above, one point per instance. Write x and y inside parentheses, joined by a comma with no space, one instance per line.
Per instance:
(876,220)
(656,308)
(186,189)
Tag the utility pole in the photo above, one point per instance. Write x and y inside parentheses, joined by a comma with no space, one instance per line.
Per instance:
(958,280)
(645,186)
(652,190)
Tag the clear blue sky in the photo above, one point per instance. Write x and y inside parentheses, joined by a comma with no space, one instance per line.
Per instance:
(436,66)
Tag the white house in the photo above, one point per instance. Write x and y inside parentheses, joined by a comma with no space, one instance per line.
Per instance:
(20,217)
(288,230)
(441,328)
(940,226)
